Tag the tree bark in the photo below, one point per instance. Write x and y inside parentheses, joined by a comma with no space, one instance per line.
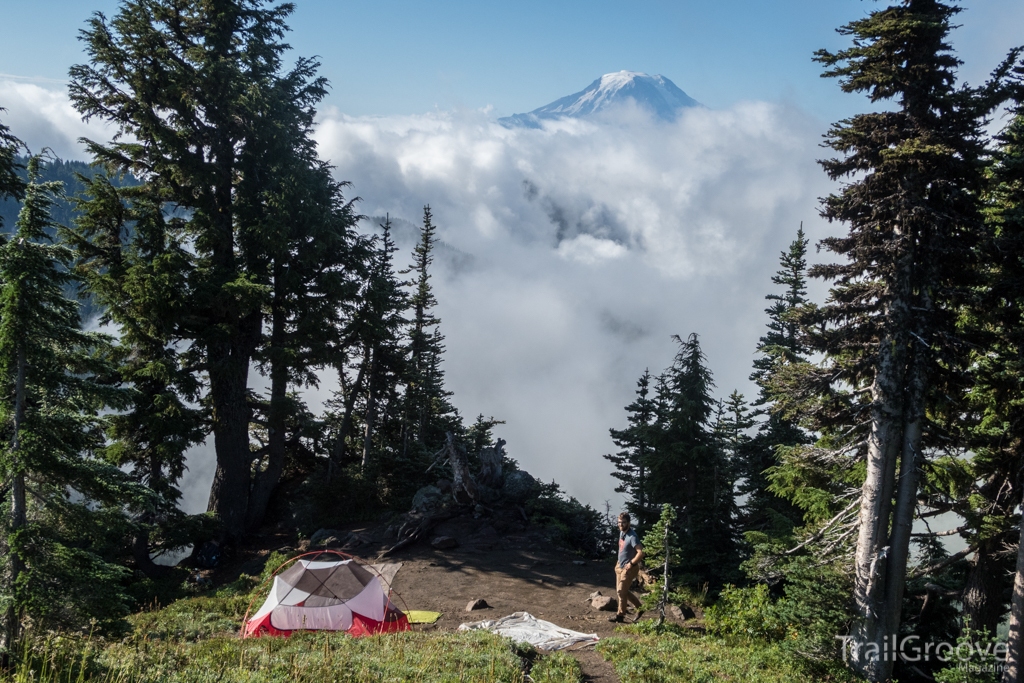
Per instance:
(341,445)
(885,441)
(371,411)
(1014,640)
(266,480)
(229,375)
(143,561)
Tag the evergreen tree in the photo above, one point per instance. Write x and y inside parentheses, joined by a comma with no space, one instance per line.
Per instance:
(764,510)
(888,328)
(205,112)
(661,555)
(992,476)
(427,412)
(12,187)
(689,470)
(133,262)
(637,444)
(386,304)
(67,504)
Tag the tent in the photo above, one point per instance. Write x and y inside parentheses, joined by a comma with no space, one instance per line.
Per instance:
(325,595)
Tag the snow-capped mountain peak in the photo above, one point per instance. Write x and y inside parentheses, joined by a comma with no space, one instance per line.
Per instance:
(656,93)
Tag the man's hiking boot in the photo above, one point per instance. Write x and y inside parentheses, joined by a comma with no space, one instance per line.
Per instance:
(639,613)
(617,619)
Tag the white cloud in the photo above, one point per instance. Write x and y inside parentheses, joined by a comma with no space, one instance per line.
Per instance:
(589,243)
(43,117)
(592,243)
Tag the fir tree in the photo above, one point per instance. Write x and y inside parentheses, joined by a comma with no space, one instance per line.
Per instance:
(888,328)
(11,184)
(637,444)
(991,484)
(132,262)
(689,470)
(203,106)
(763,510)
(57,565)
(427,412)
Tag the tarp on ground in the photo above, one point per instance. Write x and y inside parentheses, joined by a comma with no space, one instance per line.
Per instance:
(523,627)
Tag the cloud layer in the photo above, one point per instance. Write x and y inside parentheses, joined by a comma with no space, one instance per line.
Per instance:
(591,243)
(572,253)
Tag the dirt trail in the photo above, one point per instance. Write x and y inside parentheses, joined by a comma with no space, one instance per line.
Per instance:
(512,575)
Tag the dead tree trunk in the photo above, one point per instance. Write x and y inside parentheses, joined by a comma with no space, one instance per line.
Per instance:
(885,443)
(1015,640)
(371,410)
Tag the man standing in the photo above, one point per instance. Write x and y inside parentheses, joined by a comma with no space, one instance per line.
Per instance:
(627,568)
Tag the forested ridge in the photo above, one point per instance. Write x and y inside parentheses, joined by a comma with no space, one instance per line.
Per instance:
(212,245)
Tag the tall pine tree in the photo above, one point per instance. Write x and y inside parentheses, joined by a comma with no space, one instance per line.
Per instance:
(914,174)
(207,113)
(763,510)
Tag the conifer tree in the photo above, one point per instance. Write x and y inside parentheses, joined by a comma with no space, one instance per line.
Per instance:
(661,554)
(637,444)
(912,213)
(133,262)
(201,101)
(56,380)
(998,438)
(427,412)
(11,184)
(689,469)
(386,304)
(763,510)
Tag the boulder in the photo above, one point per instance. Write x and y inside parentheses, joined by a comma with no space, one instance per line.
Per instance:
(604,603)
(680,612)
(444,543)
(477,604)
(320,535)
(427,498)
(520,486)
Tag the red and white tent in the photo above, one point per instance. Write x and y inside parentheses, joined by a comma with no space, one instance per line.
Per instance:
(325,595)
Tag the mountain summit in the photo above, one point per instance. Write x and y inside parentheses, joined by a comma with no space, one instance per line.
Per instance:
(655,93)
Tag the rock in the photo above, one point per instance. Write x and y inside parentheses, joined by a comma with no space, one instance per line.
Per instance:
(595,594)
(520,486)
(444,543)
(604,603)
(320,535)
(427,498)
(682,613)
(477,604)
(578,563)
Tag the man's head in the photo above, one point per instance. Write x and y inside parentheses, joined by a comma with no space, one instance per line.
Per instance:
(624,521)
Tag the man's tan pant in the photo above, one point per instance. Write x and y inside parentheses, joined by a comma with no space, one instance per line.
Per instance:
(623,580)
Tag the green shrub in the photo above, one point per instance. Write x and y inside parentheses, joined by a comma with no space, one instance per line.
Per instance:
(694,658)
(746,613)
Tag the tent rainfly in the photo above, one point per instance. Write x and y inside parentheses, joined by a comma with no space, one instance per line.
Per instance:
(316,595)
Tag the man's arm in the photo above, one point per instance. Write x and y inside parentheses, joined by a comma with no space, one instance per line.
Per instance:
(636,558)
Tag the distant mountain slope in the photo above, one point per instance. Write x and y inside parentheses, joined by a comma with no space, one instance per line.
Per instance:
(63,212)
(657,94)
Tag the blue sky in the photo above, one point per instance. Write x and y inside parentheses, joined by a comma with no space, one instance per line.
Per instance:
(389,57)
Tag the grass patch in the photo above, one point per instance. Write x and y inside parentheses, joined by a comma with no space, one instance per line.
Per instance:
(303,658)
(679,657)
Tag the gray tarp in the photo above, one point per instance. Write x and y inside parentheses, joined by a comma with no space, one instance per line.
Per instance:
(525,628)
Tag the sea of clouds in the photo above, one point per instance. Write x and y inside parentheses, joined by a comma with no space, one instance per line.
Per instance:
(571,254)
